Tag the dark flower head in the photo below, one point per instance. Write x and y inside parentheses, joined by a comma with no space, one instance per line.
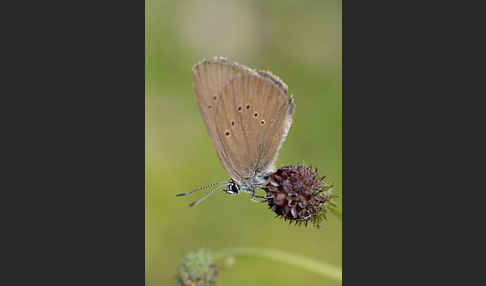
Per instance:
(196,269)
(299,194)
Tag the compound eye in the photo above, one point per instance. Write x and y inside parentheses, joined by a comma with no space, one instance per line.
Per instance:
(234,189)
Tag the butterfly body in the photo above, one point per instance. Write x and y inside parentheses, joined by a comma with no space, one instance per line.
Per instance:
(247,114)
(249,185)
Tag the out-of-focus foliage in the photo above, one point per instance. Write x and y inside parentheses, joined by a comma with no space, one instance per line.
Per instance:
(197,269)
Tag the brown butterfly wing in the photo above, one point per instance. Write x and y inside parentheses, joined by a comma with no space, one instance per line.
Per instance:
(253,117)
(209,78)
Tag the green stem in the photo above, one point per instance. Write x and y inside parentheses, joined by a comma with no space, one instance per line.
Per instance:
(323,269)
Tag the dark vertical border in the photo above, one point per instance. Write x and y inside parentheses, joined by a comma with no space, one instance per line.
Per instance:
(401,93)
(112,204)
(78,183)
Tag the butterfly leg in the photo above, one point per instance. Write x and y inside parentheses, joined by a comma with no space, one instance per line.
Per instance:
(260,197)
(257,201)
(253,196)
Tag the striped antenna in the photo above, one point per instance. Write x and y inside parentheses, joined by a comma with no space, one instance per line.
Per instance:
(199,189)
(207,195)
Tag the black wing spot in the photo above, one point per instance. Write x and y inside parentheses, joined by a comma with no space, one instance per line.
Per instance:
(255,115)
(232,123)
(239,108)
(248,106)
(262,122)
(227,133)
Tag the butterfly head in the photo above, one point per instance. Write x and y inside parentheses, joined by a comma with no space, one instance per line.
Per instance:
(233,188)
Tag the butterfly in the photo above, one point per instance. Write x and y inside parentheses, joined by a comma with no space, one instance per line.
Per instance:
(247,114)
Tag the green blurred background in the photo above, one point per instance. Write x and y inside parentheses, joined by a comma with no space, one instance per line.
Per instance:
(300,41)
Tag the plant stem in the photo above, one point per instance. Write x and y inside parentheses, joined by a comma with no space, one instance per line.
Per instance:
(311,265)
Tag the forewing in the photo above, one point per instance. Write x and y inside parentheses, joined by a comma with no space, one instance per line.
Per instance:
(209,78)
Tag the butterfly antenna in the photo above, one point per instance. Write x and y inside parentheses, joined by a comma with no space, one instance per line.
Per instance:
(207,195)
(199,189)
